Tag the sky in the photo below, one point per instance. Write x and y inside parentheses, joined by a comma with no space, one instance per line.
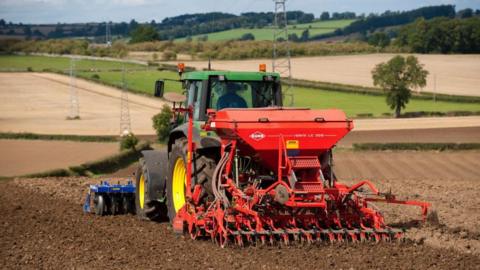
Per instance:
(72,11)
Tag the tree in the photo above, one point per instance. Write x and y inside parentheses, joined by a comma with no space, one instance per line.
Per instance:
(325,16)
(161,123)
(397,77)
(144,33)
(305,35)
(247,36)
(292,37)
(128,142)
(133,24)
(379,39)
(465,13)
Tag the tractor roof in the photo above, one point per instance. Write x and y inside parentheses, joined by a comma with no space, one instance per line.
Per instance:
(229,75)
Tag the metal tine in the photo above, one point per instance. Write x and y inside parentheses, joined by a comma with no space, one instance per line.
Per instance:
(362,237)
(249,239)
(319,237)
(377,237)
(263,240)
(331,237)
(340,237)
(239,240)
(286,239)
(353,237)
(309,239)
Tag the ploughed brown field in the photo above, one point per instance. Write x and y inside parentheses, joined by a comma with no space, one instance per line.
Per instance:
(21,157)
(43,225)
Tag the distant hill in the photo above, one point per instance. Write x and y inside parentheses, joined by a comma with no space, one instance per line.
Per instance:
(266,33)
(303,26)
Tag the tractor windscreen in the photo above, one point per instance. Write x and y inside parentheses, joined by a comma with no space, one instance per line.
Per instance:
(242,94)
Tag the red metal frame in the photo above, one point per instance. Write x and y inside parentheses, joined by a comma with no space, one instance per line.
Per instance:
(312,210)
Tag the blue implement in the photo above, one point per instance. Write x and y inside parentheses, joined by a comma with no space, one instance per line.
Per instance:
(110,199)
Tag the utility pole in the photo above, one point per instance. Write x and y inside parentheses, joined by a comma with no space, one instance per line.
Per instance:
(74,104)
(125,126)
(108,35)
(281,49)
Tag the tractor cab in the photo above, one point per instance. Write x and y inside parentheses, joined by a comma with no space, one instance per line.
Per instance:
(219,90)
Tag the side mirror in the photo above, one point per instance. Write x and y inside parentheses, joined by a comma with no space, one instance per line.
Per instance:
(159,85)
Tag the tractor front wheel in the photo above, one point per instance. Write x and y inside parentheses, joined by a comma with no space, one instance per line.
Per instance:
(145,208)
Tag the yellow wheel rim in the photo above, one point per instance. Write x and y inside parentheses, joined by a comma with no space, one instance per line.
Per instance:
(178,185)
(141,191)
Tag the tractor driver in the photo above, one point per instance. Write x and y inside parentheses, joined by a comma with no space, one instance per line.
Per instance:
(231,99)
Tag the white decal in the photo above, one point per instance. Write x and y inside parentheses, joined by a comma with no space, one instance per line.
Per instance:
(257,136)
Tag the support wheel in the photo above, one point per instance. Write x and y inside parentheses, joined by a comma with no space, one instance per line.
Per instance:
(100,205)
(128,205)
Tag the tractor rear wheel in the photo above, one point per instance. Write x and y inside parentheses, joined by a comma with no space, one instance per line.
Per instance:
(146,209)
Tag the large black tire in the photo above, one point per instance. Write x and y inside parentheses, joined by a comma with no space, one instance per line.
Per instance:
(203,168)
(153,210)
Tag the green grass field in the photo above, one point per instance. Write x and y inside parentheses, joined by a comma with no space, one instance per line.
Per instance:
(315,28)
(39,63)
(139,81)
(354,104)
(143,82)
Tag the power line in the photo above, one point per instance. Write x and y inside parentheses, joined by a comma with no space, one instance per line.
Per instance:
(108,34)
(74,102)
(281,49)
(125,125)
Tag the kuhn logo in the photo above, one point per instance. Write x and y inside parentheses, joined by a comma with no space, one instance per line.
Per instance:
(257,136)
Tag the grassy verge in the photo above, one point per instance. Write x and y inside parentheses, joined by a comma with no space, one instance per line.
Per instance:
(47,137)
(415,146)
(106,165)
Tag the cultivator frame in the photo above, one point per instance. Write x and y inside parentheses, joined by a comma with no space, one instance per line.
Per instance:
(309,210)
(110,199)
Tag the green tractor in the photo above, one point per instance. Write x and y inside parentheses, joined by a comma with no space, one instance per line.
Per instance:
(160,177)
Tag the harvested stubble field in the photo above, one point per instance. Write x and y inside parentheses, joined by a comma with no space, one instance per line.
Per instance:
(455,74)
(44,226)
(39,103)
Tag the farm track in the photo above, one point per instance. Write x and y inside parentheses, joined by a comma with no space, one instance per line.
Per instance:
(44,226)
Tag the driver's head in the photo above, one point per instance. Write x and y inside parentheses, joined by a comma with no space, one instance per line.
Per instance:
(232,87)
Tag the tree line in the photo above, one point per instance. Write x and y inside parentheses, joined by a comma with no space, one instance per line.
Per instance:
(441,35)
